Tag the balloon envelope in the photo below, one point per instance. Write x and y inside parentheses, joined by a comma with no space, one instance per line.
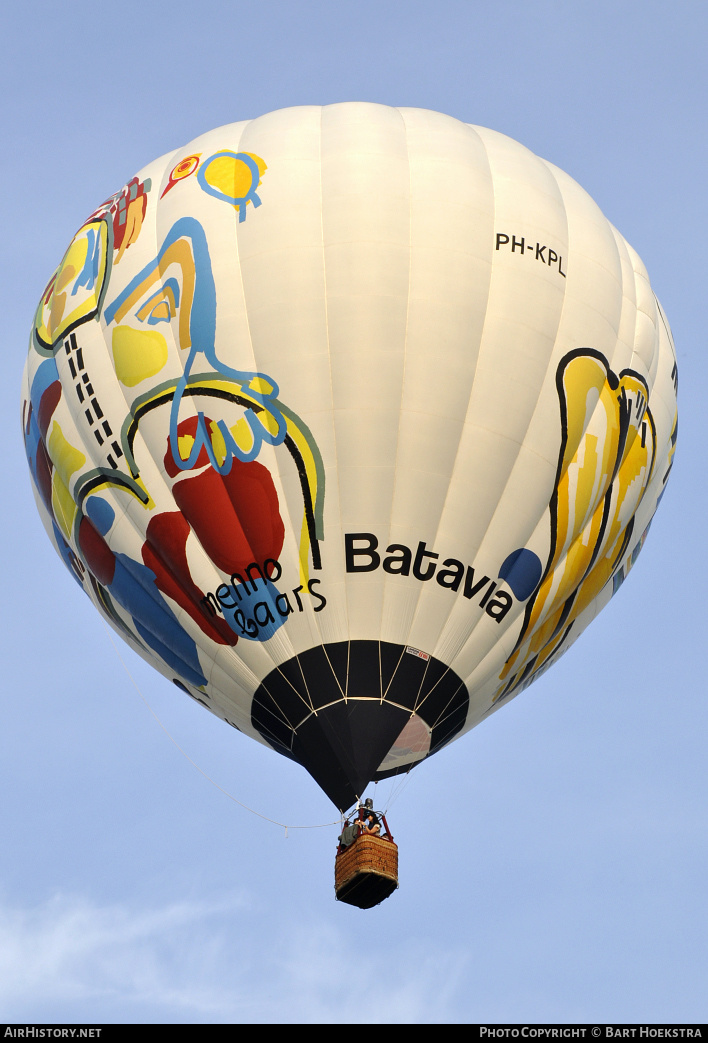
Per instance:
(349,420)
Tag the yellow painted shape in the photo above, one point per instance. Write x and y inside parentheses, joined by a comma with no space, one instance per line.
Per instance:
(269,422)
(184,446)
(261,386)
(150,505)
(243,436)
(593,412)
(230,176)
(304,553)
(108,484)
(71,265)
(217,443)
(66,460)
(64,456)
(57,306)
(260,163)
(311,471)
(576,503)
(582,376)
(673,437)
(161,309)
(180,254)
(74,259)
(133,224)
(62,504)
(137,354)
(56,310)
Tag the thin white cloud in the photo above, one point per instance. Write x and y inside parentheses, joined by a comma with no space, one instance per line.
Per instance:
(70,950)
(194,962)
(367,975)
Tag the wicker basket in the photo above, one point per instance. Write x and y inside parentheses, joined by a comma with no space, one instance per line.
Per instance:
(366,872)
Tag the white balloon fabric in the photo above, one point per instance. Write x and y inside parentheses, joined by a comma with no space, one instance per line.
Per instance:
(349,420)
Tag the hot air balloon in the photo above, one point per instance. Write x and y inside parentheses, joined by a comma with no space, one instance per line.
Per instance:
(349,420)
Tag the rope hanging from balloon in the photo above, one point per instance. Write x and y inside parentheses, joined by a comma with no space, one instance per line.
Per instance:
(283,825)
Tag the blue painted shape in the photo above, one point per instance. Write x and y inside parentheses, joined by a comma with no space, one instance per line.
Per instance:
(238,201)
(202,331)
(168,656)
(88,275)
(65,553)
(47,373)
(133,586)
(255,615)
(158,298)
(522,571)
(32,438)
(101,514)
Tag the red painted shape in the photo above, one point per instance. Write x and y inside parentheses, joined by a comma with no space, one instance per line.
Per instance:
(165,552)
(235,516)
(187,427)
(96,553)
(47,404)
(44,468)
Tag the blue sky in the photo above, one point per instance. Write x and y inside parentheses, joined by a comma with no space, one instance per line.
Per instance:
(552,860)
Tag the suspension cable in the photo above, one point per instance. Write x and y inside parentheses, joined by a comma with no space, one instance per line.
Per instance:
(174,742)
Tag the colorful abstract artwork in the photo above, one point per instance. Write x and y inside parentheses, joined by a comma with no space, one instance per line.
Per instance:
(297,327)
(606,461)
(214,420)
